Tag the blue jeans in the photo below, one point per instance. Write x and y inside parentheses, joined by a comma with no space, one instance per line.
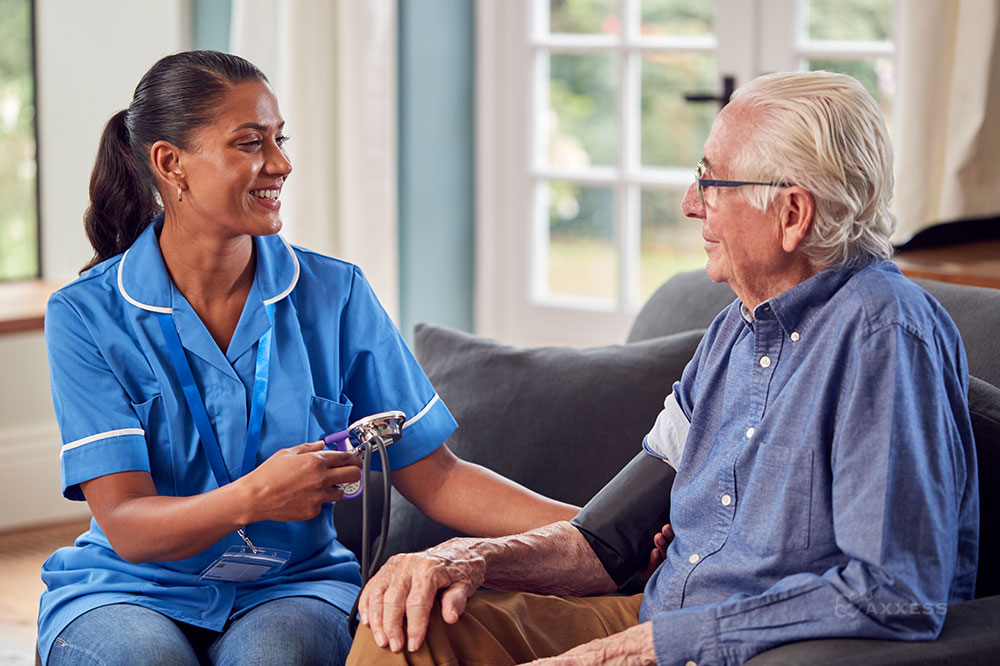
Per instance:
(295,631)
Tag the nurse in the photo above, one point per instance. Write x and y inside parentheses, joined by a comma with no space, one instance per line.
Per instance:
(195,364)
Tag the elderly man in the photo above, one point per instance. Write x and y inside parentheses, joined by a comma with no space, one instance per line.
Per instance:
(825,471)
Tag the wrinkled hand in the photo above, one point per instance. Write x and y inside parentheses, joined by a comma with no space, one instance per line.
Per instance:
(661,540)
(406,586)
(632,647)
(295,483)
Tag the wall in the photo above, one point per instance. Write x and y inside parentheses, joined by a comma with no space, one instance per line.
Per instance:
(90,57)
(436,162)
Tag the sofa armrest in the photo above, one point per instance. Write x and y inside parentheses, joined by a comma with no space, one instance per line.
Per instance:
(969,637)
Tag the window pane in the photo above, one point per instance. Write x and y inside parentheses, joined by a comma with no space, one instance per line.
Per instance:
(581,114)
(674,130)
(582,257)
(584,16)
(18,200)
(877,75)
(848,20)
(677,18)
(671,243)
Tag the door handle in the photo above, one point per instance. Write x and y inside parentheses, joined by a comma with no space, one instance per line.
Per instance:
(728,88)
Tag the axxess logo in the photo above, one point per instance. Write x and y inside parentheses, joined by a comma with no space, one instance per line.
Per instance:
(850,606)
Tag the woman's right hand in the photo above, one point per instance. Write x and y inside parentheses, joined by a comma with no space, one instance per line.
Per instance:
(295,483)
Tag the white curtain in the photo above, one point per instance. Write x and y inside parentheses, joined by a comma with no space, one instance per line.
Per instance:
(332,65)
(948,112)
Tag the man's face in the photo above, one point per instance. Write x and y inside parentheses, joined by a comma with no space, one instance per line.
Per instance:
(742,243)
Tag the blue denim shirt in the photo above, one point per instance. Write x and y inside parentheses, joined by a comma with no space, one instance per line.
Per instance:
(828,481)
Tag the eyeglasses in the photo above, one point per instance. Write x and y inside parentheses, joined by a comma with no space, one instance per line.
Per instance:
(708,182)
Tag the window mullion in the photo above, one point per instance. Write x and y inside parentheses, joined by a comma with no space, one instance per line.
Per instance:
(626,219)
(538,240)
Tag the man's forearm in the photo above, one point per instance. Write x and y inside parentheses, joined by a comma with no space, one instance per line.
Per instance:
(554,559)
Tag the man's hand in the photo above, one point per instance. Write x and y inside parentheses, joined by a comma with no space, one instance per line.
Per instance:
(407,585)
(632,647)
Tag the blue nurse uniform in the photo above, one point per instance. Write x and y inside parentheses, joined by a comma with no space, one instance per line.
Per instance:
(336,357)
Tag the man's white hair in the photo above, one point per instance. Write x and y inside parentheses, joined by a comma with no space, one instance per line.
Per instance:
(823,132)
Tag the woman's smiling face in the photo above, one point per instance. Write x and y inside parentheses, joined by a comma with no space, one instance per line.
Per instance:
(235,167)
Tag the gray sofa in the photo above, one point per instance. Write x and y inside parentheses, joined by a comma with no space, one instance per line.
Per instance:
(565,421)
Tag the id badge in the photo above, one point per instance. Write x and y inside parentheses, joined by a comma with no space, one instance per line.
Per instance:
(240,564)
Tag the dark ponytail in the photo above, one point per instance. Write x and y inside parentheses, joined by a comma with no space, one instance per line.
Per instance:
(178,95)
(121,202)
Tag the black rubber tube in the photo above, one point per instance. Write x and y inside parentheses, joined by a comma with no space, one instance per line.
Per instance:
(366,562)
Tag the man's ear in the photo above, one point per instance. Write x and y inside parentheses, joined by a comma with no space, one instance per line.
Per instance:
(166,160)
(795,216)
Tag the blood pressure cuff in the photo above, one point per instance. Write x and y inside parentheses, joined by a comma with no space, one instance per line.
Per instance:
(620,521)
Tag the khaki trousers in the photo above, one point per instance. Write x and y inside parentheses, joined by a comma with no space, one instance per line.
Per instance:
(501,629)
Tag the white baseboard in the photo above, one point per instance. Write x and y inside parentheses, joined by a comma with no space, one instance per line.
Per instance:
(30,489)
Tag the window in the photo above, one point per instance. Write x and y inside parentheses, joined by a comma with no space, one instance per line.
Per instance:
(589,173)
(19,254)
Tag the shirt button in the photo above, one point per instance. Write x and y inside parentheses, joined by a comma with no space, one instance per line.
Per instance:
(694,558)
(750,432)
(795,336)
(727,499)
(765,361)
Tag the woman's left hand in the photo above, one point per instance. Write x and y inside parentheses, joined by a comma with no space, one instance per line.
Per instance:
(661,540)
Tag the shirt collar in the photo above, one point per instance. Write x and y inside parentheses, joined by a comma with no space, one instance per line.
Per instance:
(143,280)
(793,306)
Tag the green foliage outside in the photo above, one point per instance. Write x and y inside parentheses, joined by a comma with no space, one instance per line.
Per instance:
(18,200)
(582,16)
(674,130)
(677,17)
(849,20)
(582,90)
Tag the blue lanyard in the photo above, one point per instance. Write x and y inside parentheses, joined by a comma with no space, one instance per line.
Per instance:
(192,396)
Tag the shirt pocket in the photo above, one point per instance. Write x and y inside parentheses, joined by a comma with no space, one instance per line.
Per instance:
(326,416)
(777,502)
(150,413)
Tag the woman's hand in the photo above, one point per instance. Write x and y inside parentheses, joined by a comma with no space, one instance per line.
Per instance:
(295,483)
(143,525)
(661,540)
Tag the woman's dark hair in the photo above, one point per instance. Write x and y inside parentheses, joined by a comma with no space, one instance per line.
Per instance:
(178,95)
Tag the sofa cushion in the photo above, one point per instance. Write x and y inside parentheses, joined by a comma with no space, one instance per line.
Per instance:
(969,637)
(560,421)
(684,302)
(976,312)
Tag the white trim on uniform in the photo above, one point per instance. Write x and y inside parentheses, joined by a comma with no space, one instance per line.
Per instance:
(103,435)
(121,288)
(419,415)
(295,278)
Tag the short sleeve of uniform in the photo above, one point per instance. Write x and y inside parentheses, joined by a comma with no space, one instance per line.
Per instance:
(101,433)
(381,375)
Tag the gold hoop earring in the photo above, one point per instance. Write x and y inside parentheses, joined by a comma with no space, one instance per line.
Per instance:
(179,195)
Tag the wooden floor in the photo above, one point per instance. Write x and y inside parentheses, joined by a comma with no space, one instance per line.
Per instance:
(21,555)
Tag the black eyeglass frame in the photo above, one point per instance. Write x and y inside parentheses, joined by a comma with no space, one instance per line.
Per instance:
(709,182)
